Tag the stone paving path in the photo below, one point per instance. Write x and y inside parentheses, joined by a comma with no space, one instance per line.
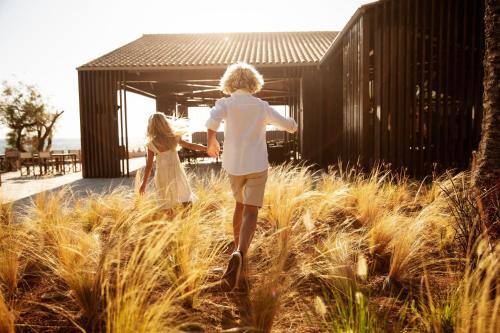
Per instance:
(22,190)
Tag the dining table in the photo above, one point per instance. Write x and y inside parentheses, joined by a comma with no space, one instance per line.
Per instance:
(61,159)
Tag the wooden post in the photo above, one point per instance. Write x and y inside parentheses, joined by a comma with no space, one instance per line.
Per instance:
(166,106)
(378,53)
(121,136)
(401,111)
(311,127)
(430,142)
(125,112)
(439,101)
(392,109)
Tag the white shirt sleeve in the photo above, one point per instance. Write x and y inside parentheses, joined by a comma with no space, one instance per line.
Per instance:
(276,119)
(217,114)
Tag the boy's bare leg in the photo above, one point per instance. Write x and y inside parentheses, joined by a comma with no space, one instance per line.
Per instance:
(244,223)
(237,219)
(247,227)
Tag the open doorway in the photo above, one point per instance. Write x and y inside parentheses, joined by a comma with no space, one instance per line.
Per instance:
(133,113)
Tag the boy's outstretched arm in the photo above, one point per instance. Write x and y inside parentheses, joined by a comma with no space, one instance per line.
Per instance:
(286,123)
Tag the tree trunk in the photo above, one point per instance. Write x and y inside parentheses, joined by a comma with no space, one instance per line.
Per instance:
(19,140)
(49,143)
(486,170)
(39,147)
(48,132)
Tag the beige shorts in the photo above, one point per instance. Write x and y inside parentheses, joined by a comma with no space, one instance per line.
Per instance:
(249,189)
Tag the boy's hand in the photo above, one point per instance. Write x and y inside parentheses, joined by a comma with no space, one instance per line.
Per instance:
(213,149)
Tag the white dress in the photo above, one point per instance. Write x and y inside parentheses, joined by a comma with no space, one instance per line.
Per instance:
(171,181)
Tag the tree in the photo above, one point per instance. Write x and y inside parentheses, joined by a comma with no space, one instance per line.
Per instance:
(25,113)
(45,130)
(486,170)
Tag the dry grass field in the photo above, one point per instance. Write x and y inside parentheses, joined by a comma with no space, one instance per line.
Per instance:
(333,252)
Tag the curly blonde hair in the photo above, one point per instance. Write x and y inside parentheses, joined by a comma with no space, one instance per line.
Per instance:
(241,76)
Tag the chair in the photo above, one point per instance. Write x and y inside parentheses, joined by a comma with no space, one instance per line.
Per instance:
(76,158)
(272,136)
(59,160)
(281,151)
(27,161)
(199,138)
(220,137)
(46,161)
(186,154)
(11,160)
(122,151)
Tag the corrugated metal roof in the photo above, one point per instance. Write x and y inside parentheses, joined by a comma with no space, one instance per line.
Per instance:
(218,49)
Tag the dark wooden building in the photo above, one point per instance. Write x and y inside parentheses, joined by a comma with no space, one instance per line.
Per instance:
(401,83)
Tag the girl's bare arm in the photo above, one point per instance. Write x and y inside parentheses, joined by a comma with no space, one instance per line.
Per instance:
(147,170)
(192,146)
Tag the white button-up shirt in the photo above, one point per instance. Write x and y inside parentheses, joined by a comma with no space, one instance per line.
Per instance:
(246,117)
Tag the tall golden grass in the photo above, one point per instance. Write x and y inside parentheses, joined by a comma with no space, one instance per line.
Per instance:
(6,318)
(334,251)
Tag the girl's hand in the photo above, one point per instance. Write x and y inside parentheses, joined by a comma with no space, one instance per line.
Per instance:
(142,189)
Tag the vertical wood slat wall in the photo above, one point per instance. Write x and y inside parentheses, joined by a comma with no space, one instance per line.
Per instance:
(311,129)
(411,85)
(332,122)
(99,123)
(351,94)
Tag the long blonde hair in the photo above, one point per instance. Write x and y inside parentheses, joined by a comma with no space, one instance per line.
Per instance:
(160,132)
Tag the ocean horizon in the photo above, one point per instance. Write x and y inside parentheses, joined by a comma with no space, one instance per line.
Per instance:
(74,143)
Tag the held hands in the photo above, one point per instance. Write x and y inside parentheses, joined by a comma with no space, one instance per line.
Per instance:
(213,149)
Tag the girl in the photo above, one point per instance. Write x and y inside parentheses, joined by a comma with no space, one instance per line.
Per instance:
(171,182)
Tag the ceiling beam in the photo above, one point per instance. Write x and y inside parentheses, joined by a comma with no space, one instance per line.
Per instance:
(207,75)
(275,91)
(139,91)
(197,85)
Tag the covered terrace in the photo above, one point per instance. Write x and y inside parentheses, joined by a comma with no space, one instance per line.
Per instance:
(181,71)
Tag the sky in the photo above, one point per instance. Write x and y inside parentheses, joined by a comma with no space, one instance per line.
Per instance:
(43,41)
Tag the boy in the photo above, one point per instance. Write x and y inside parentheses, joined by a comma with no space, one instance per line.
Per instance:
(245,153)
